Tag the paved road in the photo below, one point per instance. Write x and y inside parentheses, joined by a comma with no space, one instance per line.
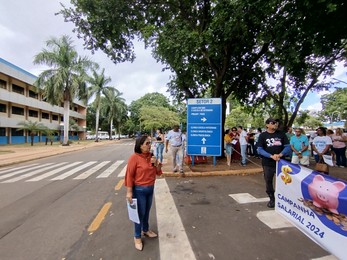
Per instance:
(79,213)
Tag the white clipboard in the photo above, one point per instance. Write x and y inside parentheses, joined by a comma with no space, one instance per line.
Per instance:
(132,211)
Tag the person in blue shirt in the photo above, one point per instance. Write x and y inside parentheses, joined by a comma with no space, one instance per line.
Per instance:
(299,145)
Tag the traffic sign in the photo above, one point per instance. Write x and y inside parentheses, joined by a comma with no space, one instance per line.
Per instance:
(204,120)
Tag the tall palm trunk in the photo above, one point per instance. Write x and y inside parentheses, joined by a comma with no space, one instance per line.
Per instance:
(66,121)
(97,124)
(111,128)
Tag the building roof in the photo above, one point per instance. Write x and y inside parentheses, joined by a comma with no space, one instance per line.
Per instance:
(16,72)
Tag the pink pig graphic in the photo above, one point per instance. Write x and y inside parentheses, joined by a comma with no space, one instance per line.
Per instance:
(324,193)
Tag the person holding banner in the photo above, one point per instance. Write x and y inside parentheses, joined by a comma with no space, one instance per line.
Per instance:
(272,146)
(299,144)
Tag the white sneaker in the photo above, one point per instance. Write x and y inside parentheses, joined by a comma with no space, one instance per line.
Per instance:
(341,166)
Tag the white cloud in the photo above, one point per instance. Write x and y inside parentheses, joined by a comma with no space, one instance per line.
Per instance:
(23,35)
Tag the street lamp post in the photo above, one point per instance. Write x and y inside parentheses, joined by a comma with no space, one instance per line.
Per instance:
(61,132)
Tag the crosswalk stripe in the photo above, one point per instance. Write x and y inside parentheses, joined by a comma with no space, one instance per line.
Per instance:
(86,174)
(110,170)
(170,223)
(71,172)
(22,170)
(51,173)
(124,170)
(16,168)
(32,173)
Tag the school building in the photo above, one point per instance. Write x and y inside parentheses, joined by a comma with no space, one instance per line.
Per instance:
(20,102)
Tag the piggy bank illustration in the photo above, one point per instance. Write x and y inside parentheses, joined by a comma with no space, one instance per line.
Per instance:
(325,194)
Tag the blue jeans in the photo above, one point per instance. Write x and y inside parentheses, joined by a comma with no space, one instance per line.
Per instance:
(243,153)
(144,196)
(159,151)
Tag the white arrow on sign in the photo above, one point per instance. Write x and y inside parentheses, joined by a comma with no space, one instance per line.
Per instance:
(203,119)
(203,140)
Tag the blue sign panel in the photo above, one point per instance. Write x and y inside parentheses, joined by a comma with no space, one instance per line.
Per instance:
(204,120)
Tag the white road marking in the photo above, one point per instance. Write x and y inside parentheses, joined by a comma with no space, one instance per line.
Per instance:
(173,240)
(122,173)
(17,168)
(32,173)
(273,220)
(86,174)
(328,257)
(51,173)
(21,171)
(243,198)
(73,171)
(110,170)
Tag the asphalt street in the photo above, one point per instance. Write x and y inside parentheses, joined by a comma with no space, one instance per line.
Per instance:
(72,206)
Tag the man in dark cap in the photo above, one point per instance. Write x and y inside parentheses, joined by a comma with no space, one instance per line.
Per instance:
(272,145)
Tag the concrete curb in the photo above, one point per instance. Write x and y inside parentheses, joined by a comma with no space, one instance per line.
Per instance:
(242,172)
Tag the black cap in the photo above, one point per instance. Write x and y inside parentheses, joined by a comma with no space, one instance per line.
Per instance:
(273,120)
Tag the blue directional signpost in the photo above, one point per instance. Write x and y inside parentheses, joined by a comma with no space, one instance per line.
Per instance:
(204,126)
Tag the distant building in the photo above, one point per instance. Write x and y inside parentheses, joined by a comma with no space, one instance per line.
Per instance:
(20,102)
(334,125)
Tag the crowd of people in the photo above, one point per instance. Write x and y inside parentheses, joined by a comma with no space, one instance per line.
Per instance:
(303,146)
(277,143)
(271,145)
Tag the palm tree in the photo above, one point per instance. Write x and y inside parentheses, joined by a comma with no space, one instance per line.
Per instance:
(98,86)
(32,128)
(49,135)
(115,109)
(64,81)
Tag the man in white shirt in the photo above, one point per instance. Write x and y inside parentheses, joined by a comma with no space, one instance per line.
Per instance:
(176,139)
(243,144)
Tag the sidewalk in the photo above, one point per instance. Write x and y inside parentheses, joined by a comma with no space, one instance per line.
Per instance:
(13,154)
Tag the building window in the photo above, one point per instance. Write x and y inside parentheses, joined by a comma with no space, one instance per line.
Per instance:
(2,84)
(2,108)
(15,132)
(2,131)
(33,113)
(18,111)
(45,115)
(17,89)
(32,94)
(54,117)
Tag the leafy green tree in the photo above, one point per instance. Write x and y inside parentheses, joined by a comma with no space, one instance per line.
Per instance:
(32,127)
(222,47)
(64,81)
(151,99)
(153,117)
(334,105)
(49,133)
(98,86)
(312,123)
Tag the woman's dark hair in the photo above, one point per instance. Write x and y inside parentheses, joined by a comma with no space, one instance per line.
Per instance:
(234,128)
(139,141)
(226,131)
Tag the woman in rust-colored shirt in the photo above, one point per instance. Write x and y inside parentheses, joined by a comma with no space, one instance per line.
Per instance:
(139,179)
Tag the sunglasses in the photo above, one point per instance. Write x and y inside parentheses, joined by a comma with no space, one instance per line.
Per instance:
(273,123)
(147,143)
